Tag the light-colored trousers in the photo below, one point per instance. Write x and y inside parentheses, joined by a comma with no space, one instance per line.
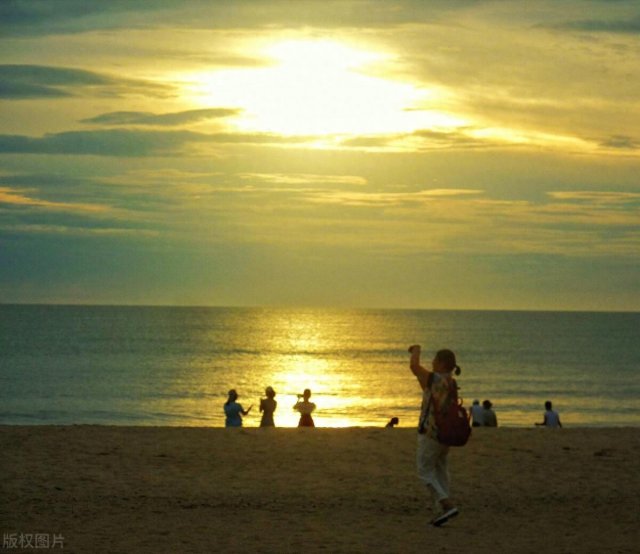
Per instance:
(432,467)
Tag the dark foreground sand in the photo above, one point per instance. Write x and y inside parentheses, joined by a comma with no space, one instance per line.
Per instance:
(180,490)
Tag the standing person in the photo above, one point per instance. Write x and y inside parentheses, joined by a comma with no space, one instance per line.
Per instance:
(437,386)
(476,414)
(268,405)
(232,410)
(305,408)
(489,418)
(392,422)
(551,417)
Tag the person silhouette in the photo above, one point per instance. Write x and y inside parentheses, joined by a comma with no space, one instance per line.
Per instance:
(268,405)
(305,408)
(551,417)
(476,414)
(232,410)
(489,418)
(392,422)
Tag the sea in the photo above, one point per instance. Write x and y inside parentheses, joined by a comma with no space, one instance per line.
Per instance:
(173,366)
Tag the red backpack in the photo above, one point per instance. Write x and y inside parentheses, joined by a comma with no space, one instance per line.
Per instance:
(452,420)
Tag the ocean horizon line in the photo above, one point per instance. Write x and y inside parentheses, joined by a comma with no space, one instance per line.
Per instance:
(313,307)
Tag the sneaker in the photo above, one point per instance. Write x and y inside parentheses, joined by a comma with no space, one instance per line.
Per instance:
(444,517)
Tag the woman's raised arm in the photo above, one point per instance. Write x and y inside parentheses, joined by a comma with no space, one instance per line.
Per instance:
(418,370)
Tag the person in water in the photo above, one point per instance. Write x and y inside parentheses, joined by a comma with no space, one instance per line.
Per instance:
(234,411)
(551,417)
(305,408)
(268,405)
(437,386)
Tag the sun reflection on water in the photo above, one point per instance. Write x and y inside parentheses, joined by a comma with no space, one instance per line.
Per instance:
(300,356)
(346,358)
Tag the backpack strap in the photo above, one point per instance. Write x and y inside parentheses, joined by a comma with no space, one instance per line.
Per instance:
(425,413)
(453,390)
(452,386)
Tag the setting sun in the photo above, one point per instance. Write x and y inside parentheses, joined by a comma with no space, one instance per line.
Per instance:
(321,87)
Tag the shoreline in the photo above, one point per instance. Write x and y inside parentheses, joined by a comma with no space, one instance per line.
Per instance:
(571,426)
(144,489)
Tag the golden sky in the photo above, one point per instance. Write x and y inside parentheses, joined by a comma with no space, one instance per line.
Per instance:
(352,153)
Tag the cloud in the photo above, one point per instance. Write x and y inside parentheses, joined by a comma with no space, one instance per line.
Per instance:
(162,175)
(370,141)
(43,17)
(593,212)
(14,90)
(119,142)
(172,182)
(304,179)
(37,202)
(41,180)
(68,226)
(423,139)
(463,138)
(623,26)
(622,142)
(388,198)
(15,198)
(257,138)
(133,200)
(68,230)
(57,188)
(166,119)
(458,138)
(131,143)
(598,197)
(40,81)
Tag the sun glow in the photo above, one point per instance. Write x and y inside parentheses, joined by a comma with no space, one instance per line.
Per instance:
(321,87)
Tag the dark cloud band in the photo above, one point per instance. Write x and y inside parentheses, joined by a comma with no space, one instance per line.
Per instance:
(31,81)
(130,143)
(166,119)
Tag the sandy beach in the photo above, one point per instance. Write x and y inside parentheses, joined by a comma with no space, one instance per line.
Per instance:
(153,489)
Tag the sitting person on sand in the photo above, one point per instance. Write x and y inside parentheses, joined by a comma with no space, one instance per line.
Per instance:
(305,408)
(476,414)
(268,405)
(551,417)
(392,422)
(232,410)
(489,418)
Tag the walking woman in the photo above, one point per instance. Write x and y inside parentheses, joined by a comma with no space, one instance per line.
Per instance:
(268,405)
(232,410)
(437,386)
(305,408)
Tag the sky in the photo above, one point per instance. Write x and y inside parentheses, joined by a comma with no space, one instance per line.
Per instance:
(356,153)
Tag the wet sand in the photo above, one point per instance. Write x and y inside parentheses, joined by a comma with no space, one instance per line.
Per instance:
(181,490)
